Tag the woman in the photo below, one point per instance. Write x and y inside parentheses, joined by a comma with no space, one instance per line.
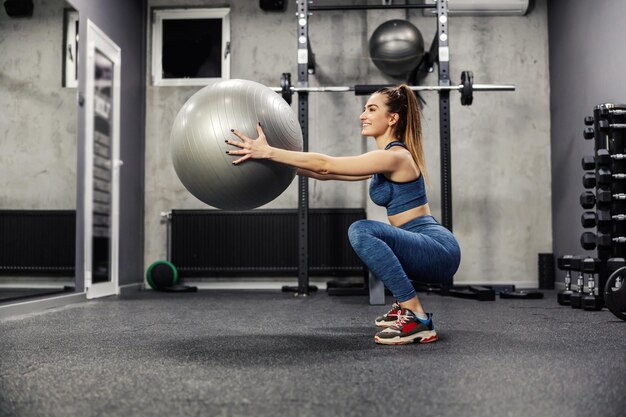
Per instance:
(413,246)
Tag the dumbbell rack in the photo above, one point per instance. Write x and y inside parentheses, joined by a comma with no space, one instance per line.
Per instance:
(605,173)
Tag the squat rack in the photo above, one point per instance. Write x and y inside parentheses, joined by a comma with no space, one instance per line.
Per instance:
(439,53)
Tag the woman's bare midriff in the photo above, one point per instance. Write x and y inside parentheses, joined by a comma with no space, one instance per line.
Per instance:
(399,219)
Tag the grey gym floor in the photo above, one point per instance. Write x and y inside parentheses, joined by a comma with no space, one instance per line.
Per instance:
(266,353)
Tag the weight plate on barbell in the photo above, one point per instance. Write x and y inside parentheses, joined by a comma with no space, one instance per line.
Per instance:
(285,85)
(615,297)
(467,92)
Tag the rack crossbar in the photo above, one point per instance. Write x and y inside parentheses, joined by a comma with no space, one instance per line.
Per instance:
(323,8)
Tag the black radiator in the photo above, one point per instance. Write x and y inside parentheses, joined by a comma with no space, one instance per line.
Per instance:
(214,243)
(35,242)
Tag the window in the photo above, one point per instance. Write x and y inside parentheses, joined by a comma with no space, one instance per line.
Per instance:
(190,46)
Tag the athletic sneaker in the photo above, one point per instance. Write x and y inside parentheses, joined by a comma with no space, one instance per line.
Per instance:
(390,317)
(408,329)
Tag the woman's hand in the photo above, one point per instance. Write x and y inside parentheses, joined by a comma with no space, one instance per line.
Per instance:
(250,148)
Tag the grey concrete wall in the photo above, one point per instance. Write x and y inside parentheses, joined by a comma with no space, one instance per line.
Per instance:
(38,117)
(586,69)
(122,21)
(500,145)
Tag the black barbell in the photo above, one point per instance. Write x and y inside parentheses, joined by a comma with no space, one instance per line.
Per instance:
(466,88)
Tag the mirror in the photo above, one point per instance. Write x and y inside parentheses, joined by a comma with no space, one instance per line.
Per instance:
(102,127)
(38,158)
(102,164)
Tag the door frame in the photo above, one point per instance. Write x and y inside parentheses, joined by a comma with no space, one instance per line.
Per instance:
(97,39)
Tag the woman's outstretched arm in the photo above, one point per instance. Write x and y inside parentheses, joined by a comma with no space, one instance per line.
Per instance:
(328,177)
(367,164)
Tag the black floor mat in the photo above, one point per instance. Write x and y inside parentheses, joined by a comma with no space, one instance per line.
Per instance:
(16,294)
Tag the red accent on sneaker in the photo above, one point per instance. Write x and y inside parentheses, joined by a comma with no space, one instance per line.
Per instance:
(429,339)
(409,326)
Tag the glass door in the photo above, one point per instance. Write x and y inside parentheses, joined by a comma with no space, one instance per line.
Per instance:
(102,100)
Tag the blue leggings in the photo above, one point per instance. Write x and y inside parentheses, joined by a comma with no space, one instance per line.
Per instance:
(421,250)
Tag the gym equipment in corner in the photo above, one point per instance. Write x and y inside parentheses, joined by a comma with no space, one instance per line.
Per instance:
(163,276)
(605,172)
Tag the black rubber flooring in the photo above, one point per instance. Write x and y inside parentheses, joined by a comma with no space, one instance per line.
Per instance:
(234,353)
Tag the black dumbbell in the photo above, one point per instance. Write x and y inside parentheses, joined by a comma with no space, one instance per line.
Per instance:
(613,264)
(589,133)
(588,120)
(590,301)
(601,177)
(604,195)
(604,176)
(588,163)
(590,241)
(576,296)
(589,179)
(603,158)
(605,126)
(592,219)
(605,111)
(588,266)
(564,263)
(587,199)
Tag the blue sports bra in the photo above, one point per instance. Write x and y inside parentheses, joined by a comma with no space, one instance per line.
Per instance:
(397,196)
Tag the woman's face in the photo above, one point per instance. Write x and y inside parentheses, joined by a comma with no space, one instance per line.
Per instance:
(376,119)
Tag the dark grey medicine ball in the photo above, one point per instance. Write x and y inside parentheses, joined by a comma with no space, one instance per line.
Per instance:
(199,149)
(396,47)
